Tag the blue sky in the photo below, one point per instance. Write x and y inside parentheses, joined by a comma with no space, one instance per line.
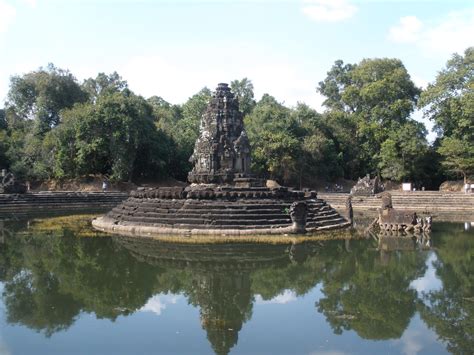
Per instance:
(174,48)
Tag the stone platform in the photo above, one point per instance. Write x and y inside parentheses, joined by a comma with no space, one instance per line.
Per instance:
(220,210)
(47,203)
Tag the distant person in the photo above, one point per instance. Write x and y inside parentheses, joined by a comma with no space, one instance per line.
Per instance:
(104,186)
(466,188)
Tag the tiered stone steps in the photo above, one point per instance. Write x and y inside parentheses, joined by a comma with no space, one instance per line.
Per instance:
(416,200)
(444,206)
(18,205)
(222,214)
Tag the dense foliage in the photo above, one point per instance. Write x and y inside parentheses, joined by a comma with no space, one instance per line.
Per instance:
(52,126)
(449,102)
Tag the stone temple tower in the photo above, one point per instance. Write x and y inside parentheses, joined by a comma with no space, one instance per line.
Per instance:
(222,151)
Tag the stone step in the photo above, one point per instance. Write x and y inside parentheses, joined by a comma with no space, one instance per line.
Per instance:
(223,215)
(221,227)
(198,223)
(205,210)
(226,219)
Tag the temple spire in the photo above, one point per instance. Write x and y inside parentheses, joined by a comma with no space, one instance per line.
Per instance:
(222,151)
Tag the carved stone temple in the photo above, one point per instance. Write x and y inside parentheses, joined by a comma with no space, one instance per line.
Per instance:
(223,199)
(222,151)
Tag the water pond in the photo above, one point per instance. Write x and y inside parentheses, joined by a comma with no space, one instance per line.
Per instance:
(66,289)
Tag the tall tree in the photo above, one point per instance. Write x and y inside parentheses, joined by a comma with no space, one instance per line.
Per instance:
(3,141)
(166,115)
(103,84)
(319,158)
(378,96)
(185,130)
(403,152)
(272,134)
(40,96)
(3,119)
(243,89)
(449,102)
(458,156)
(108,137)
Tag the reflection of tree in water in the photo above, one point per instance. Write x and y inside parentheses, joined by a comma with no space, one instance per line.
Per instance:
(450,310)
(50,277)
(370,294)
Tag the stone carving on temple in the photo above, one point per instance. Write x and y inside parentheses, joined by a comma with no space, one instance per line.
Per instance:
(222,151)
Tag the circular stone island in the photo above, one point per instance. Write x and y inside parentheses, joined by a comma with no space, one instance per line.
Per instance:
(220,210)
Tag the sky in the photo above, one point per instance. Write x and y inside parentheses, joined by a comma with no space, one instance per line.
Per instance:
(175,48)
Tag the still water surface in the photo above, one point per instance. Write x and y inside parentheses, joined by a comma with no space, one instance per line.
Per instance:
(68,290)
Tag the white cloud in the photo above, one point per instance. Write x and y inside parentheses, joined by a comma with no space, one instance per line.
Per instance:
(453,33)
(329,10)
(407,31)
(286,297)
(429,281)
(158,303)
(417,338)
(412,342)
(7,16)
(419,81)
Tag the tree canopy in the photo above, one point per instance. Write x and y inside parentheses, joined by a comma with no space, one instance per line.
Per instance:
(52,126)
(375,98)
(449,102)
(41,95)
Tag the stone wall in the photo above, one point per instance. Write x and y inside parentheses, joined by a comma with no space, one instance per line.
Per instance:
(443,206)
(18,205)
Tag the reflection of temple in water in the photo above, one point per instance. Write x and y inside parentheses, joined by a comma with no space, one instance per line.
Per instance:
(225,301)
(221,283)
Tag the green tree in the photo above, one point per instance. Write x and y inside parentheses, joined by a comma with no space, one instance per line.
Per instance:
(273,135)
(3,120)
(376,95)
(103,84)
(449,102)
(182,125)
(403,152)
(107,137)
(166,115)
(458,156)
(243,90)
(341,129)
(187,129)
(41,95)
(319,157)
(3,141)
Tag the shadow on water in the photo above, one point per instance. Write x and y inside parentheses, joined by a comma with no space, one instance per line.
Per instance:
(52,271)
